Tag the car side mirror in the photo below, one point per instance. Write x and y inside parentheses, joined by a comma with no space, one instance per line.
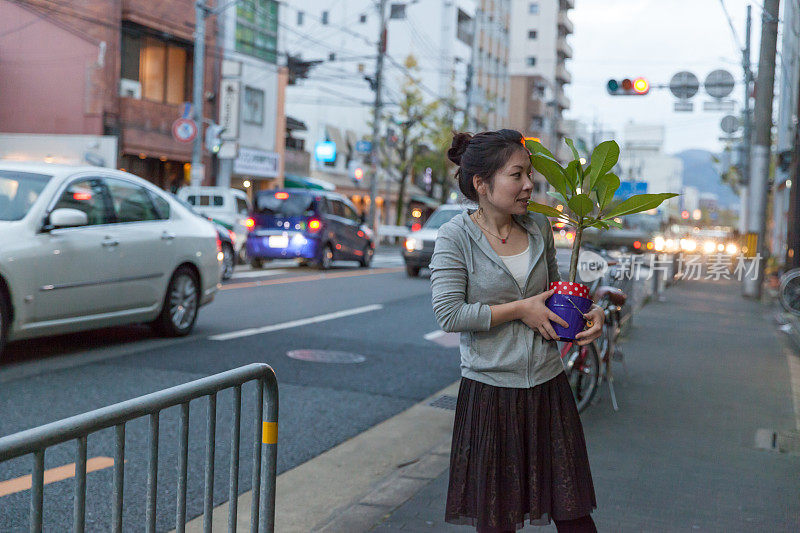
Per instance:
(66,217)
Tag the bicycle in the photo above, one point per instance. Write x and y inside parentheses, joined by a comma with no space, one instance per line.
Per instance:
(588,366)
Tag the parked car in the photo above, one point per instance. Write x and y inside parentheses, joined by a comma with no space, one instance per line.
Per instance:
(88,247)
(226,206)
(227,242)
(313,226)
(418,248)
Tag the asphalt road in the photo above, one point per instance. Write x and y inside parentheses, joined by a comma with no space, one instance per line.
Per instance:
(321,404)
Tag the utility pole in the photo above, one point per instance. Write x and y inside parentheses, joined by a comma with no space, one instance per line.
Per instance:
(747,134)
(201,11)
(376,126)
(471,71)
(793,226)
(760,156)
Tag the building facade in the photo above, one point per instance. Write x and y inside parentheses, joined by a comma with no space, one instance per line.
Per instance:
(443,50)
(538,69)
(251,97)
(120,69)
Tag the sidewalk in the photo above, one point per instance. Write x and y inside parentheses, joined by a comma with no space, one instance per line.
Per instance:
(706,438)
(710,384)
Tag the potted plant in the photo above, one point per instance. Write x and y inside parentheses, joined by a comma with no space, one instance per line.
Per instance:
(586,192)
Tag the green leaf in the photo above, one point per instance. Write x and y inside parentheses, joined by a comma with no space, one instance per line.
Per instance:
(535,147)
(581,204)
(637,204)
(612,222)
(575,153)
(551,171)
(544,209)
(573,175)
(597,224)
(604,157)
(605,188)
(558,196)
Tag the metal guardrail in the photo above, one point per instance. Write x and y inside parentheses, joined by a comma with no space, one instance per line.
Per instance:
(265,442)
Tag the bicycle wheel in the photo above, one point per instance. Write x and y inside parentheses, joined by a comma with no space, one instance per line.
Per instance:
(583,373)
(790,291)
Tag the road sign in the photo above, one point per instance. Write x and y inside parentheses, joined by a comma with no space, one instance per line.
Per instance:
(184,130)
(684,85)
(718,105)
(729,123)
(681,106)
(719,83)
(364,147)
(629,188)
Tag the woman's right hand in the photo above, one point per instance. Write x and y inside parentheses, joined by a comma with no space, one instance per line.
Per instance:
(537,316)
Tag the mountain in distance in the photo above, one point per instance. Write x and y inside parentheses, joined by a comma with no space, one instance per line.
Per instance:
(701,171)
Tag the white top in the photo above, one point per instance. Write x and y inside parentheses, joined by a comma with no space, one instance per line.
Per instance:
(518,265)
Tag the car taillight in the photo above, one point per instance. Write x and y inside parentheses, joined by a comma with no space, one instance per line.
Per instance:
(219,244)
(416,226)
(314,225)
(232,235)
(249,223)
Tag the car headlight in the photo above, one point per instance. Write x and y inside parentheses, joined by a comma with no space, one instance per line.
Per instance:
(688,245)
(413,244)
(709,247)
(732,249)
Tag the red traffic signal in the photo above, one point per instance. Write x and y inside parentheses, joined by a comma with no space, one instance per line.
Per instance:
(628,87)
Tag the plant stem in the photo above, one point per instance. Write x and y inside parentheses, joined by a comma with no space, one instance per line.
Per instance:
(576,250)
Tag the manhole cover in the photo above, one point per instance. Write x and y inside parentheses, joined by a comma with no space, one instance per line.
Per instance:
(445,402)
(326,356)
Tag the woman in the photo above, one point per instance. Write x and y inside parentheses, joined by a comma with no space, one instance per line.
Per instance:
(518,448)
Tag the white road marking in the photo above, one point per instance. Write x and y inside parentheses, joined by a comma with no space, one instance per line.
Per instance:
(294,323)
(434,335)
(258,273)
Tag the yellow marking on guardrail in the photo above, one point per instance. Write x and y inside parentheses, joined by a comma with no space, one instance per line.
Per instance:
(52,475)
(750,245)
(269,433)
(314,277)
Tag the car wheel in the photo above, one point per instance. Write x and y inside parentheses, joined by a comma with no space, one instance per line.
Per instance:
(366,257)
(412,271)
(325,260)
(228,261)
(256,263)
(5,320)
(181,303)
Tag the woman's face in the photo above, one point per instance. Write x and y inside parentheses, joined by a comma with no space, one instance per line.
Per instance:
(512,187)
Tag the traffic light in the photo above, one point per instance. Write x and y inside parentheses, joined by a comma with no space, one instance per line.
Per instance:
(628,87)
(213,141)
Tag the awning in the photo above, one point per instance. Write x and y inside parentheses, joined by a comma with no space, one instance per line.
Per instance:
(301,182)
(335,135)
(430,202)
(293,124)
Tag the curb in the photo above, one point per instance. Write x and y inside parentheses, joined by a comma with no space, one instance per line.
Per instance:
(353,486)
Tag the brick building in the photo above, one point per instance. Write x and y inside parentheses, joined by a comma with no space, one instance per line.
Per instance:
(105,67)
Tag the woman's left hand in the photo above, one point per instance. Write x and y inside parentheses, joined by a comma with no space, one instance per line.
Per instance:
(596,316)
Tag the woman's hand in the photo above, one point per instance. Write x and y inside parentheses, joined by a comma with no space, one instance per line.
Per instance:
(597,317)
(537,316)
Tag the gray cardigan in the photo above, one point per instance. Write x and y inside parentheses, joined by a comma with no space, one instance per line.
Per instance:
(467,276)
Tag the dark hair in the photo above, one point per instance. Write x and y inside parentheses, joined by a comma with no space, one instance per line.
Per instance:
(482,154)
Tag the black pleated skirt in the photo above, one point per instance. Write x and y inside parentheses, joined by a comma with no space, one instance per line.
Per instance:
(517,455)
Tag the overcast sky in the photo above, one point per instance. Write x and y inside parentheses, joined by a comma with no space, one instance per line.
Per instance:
(655,39)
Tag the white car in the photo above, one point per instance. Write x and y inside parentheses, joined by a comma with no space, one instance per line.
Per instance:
(228,206)
(86,247)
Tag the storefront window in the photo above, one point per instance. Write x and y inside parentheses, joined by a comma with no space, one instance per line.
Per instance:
(160,67)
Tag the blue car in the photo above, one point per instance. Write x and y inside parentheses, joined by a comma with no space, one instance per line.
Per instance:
(314,226)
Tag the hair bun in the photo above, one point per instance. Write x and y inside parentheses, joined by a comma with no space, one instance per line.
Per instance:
(458,147)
